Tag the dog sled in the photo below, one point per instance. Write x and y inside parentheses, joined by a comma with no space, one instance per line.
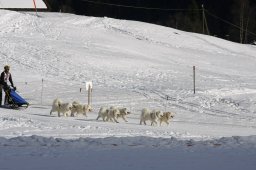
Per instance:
(14,100)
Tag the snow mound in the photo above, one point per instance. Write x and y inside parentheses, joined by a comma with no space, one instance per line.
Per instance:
(126,142)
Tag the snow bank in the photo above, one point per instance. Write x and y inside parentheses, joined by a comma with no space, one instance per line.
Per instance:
(134,153)
(127,142)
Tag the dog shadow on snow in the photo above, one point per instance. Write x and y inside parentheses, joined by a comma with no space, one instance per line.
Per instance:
(43,115)
(86,120)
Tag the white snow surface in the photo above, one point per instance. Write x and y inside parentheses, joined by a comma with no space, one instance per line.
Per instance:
(134,65)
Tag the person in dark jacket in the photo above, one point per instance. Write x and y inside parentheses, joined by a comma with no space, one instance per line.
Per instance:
(5,77)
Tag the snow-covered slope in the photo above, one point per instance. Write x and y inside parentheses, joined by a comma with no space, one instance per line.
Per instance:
(132,64)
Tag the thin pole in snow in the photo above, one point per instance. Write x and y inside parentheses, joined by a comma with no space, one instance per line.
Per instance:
(167,98)
(42,91)
(89,95)
(89,88)
(194,78)
(34,1)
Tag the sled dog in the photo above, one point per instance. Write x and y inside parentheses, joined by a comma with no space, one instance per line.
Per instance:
(60,107)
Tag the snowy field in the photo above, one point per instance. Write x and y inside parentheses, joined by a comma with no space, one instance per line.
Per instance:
(134,65)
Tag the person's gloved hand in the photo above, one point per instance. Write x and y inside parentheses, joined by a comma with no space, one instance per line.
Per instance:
(14,88)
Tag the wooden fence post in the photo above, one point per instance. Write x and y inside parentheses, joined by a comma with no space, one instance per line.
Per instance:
(89,95)
(89,88)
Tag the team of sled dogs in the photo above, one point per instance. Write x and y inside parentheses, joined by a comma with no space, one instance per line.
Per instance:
(110,113)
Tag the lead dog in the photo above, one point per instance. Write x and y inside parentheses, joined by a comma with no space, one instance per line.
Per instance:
(60,107)
(80,109)
(166,117)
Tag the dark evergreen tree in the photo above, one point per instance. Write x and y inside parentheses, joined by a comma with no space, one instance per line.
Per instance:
(219,16)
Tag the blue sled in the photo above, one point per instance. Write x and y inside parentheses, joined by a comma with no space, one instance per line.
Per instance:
(16,100)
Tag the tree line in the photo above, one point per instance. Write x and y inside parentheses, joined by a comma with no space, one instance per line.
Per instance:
(234,20)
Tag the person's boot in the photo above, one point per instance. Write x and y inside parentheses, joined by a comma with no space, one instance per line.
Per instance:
(6,98)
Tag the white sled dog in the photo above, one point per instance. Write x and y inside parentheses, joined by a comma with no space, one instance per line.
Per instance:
(112,114)
(166,117)
(123,112)
(60,107)
(103,113)
(152,116)
(80,109)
